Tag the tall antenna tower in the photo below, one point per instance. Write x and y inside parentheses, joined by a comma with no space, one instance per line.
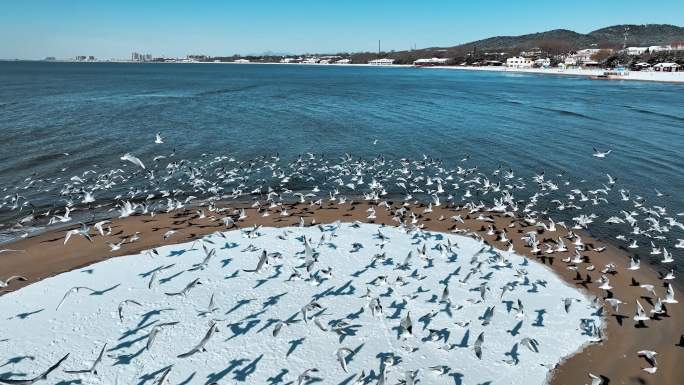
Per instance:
(379,49)
(624,43)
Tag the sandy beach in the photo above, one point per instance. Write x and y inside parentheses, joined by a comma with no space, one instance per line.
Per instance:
(614,359)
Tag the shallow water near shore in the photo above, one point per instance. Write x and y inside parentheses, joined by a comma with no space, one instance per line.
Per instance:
(96,112)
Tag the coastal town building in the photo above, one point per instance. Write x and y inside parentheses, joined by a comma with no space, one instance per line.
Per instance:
(311,60)
(519,62)
(542,62)
(431,62)
(590,64)
(585,55)
(667,67)
(381,62)
(636,51)
(570,61)
(241,61)
(534,52)
(141,57)
(343,61)
(85,58)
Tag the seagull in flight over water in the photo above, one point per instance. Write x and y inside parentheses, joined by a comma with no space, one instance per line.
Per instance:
(601,154)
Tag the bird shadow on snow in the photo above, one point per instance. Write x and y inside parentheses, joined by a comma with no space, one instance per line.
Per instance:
(188,380)
(216,377)
(539,322)
(105,291)
(239,330)
(26,315)
(152,375)
(278,378)
(126,359)
(17,359)
(294,344)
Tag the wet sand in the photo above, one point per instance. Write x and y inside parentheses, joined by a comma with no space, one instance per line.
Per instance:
(615,358)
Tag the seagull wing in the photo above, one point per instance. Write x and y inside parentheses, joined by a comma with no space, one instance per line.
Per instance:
(43,376)
(133,160)
(478,345)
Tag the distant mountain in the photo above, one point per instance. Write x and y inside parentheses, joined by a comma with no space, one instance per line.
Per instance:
(639,35)
(557,41)
(614,36)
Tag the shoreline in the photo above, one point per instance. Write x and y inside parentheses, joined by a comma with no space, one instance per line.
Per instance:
(46,256)
(643,76)
(646,76)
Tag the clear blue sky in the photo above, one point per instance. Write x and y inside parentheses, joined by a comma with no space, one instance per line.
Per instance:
(113,29)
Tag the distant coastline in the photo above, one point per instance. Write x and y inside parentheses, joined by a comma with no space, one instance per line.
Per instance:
(597,73)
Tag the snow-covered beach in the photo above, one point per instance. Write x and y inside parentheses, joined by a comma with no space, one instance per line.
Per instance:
(44,258)
(652,76)
(248,305)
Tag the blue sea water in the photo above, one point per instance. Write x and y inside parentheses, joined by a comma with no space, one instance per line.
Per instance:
(98,111)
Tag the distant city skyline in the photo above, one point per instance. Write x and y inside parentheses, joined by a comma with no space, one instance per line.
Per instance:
(174,28)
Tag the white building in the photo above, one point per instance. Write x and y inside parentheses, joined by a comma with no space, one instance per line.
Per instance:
(310,60)
(431,62)
(635,50)
(343,61)
(545,62)
(241,61)
(667,67)
(519,62)
(287,60)
(381,62)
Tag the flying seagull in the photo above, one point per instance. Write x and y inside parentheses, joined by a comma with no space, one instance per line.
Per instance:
(32,381)
(342,354)
(601,154)
(125,302)
(4,284)
(133,160)
(478,346)
(93,367)
(201,347)
(155,330)
(72,291)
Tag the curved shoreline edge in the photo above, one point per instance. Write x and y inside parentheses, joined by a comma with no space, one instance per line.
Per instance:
(615,358)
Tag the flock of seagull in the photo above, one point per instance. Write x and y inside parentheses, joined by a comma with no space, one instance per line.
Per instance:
(167,184)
